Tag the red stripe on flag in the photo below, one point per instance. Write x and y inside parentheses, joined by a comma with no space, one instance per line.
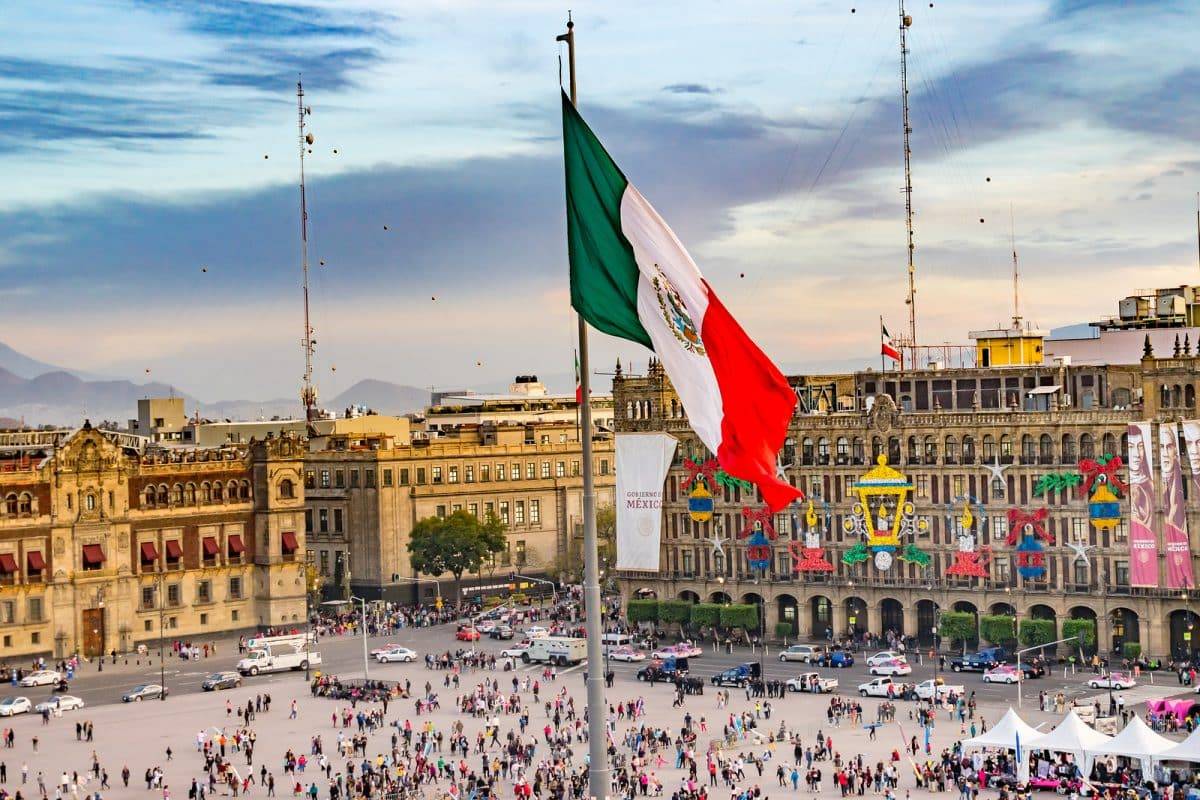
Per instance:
(757,404)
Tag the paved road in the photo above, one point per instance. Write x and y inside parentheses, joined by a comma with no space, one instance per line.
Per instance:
(344,656)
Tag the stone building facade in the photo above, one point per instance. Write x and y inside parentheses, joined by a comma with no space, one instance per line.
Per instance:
(983,437)
(366,492)
(102,547)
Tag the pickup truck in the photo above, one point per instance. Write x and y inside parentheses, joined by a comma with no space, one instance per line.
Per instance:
(975,662)
(879,687)
(663,669)
(812,682)
(738,676)
(924,690)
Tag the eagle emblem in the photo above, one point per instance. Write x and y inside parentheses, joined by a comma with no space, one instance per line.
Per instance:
(676,314)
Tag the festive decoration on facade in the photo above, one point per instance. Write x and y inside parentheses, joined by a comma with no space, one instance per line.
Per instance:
(717,543)
(700,502)
(970,560)
(1056,482)
(809,557)
(712,475)
(1081,550)
(759,531)
(1103,488)
(882,518)
(997,470)
(1028,531)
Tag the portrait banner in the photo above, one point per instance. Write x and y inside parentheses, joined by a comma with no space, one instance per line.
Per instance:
(643,460)
(1175,536)
(1143,545)
(1191,442)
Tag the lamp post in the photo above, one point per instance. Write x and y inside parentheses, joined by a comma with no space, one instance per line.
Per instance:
(366,660)
(159,577)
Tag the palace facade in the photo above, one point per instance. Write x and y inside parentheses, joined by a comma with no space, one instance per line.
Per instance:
(104,547)
(982,438)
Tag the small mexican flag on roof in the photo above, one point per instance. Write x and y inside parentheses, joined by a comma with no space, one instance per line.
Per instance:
(632,278)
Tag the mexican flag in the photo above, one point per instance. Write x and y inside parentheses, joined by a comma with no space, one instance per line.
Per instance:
(632,278)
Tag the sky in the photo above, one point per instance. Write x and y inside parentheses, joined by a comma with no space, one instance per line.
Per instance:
(150,218)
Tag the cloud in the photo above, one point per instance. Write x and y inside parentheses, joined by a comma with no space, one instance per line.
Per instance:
(246,19)
(270,68)
(1168,107)
(689,88)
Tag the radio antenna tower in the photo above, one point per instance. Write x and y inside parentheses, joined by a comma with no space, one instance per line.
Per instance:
(1012,235)
(911,300)
(308,392)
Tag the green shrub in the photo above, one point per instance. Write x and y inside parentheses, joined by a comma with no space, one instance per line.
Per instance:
(744,616)
(1132,650)
(706,613)
(642,611)
(783,629)
(1035,632)
(958,627)
(1085,629)
(998,629)
(674,611)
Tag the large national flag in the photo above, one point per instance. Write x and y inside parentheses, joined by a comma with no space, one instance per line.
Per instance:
(632,278)
(885,343)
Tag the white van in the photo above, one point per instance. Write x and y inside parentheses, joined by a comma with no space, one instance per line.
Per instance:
(612,641)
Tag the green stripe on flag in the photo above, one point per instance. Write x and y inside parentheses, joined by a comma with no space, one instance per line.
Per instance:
(604,273)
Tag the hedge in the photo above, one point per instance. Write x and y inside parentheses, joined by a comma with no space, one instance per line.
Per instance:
(998,628)
(674,611)
(642,611)
(706,613)
(958,626)
(1085,629)
(744,616)
(783,629)
(1036,632)
(1132,650)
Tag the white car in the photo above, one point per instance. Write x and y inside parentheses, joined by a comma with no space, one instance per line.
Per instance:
(800,652)
(396,654)
(10,706)
(877,687)
(514,652)
(896,666)
(43,677)
(884,656)
(63,702)
(485,626)
(1113,680)
(626,653)
(536,632)
(1002,673)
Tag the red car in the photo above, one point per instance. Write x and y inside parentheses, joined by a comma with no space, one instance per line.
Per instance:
(465,634)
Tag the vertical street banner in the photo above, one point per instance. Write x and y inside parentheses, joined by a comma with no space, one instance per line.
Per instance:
(1143,546)
(1175,536)
(643,460)
(1191,443)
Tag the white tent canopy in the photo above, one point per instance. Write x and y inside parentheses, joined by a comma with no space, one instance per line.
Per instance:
(1073,736)
(1135,741)
(1004,734)
(1187,750)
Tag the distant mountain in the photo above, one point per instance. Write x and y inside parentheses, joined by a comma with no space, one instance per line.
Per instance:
(23,366)
(63,398)
(384,397)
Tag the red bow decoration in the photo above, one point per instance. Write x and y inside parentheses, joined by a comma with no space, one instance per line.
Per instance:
(1094,469)
(707,470)
(1018,519)
(753,515)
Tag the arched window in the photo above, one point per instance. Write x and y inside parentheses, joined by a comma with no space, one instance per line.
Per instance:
(26,504)
(1028,450)
(1045,449)
(1087,446)
(674,408)
(856,450)
(163,497)
(206,492)
(218,492)
(231,491)
(951,451)
(189,494)
(10,505)
(89,502)
(1069,454)
(244,490)
(806,452)
(1110,444)
(1006,448)
(629,410)
(287,489)
(177,494)
(968,450)
(1176,396)
(931,450)
(1164,396)
(151,498)
(989,448)
(893,453)
(822,450)
(843,450)
(1125,447)
(914,450)
(1189,396)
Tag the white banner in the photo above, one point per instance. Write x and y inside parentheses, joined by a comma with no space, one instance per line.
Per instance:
(642,463)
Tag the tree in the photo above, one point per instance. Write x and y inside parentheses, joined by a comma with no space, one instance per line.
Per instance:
(1036,632)
(1083,628)
(958,626)
(455,544)
(998,629)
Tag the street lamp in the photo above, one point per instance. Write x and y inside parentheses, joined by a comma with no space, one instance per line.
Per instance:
(162,610)
(366,660)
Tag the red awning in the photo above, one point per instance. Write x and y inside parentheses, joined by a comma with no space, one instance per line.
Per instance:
(8,563)
(236,545)
(290,545)
(149,551)
(93,555)
(174,549)
(36,562)
(210,546)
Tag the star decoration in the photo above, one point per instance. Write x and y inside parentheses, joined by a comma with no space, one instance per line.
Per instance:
(1081,550)
(997,469)
(718,544)
(781,471)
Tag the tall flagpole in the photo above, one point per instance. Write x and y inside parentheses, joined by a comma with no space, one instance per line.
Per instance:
(597,705)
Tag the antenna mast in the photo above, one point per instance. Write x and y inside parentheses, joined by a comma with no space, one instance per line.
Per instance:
(308,392)
(1012,228)
(911,300)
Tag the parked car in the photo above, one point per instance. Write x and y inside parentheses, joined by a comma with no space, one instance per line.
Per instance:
(142,692)
(43,677)
(516,651)
(812,682)
(805,653)
(60,702)
(467,634)
(626,653)
(1003,673)
(397,654)
(221,680)
(502,631)
(11,706)
(895,666)
(1113,680)
(884,656)
(879,687)
(738,676)
(837,657)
